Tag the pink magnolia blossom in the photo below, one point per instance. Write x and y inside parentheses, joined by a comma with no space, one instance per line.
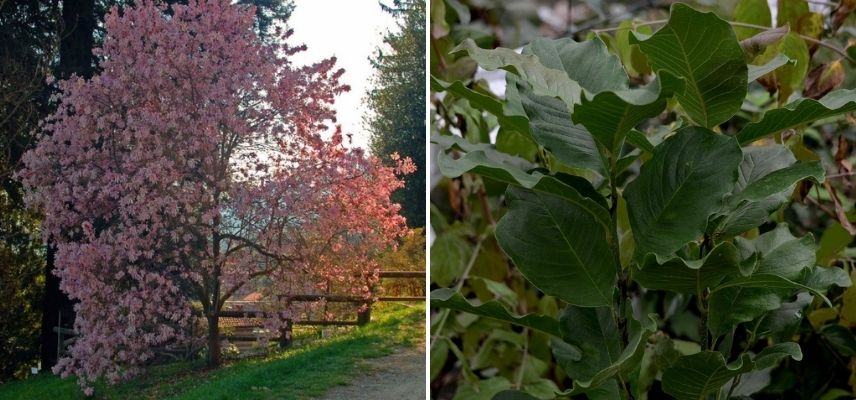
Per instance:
(195,166)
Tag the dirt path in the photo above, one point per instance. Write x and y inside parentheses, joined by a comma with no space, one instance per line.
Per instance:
(400,376)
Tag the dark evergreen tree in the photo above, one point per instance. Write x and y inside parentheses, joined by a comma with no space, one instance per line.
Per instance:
(396,119)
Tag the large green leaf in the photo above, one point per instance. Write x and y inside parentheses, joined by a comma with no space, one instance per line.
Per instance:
(592,332)
(782,323)
(481,159)
(781,252)
(799,112)
(779,272)
(551,126)
(734,305)
(689,277)
(610,115)
(694,377)
(588,63)
(758,163)
(757,71)
(545,81)
(780,180)
(482,102)
(451,299)
(702,49)
(679,188)
(594,335)
(560,244)
(768,281)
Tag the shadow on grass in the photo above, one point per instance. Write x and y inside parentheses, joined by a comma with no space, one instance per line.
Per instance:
(299,373)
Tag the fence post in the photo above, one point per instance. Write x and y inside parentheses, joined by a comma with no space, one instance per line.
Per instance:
(285,335)
(364,317)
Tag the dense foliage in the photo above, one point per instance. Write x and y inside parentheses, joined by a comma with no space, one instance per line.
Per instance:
(396,102)
(44,38)
(196,163)
(656,188)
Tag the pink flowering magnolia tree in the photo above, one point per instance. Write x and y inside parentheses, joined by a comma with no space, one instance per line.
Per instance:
(197,164)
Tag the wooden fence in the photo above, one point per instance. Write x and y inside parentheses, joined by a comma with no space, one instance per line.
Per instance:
(249,333)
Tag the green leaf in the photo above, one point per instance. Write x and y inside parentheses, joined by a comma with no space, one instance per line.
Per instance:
(679,188)
(483,160)
(594,335)
(734,305)
(439,354)
(610,115)
(482,102)
(835,239)
(755,12)
(560,244)
(639,140)
(702,49)
(821,278)
(516,144)
(758,163)
(799,112)
(780,180)
(770,282)
(790,12)
(781,252)
(632,57)
(449,255)
(757,71)
(841,338)
(545,81)
(792,76)
(584,331)
(689,277)
(780,270)
(771,356)
(551,126)
(513,395)
(696,376)
(451,299)
(483,389)
(782,323)
(588,63)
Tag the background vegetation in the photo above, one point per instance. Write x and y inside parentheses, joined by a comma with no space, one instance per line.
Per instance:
(473,357)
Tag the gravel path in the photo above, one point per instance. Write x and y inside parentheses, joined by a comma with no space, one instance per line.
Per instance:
(400,376)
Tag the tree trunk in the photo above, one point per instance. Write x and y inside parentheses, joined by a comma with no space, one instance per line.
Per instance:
(54,302)
(77,40)
(213,341)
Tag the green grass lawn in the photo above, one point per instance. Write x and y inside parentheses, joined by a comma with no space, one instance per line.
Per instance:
(303,372)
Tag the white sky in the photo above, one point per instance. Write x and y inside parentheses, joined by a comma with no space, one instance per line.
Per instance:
(349,30)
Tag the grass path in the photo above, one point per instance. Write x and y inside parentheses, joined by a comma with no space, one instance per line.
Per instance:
(306,372)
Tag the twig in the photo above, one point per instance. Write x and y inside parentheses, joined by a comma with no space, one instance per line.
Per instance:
(519,382)
(823,3)
(637,24)
(841,175)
